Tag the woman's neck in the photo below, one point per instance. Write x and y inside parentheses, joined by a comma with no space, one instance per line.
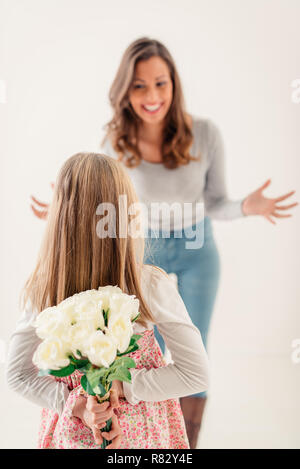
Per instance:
(151,133)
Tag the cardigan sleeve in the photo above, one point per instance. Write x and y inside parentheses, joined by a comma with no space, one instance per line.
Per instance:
(188,372)
(22,375)
(217,203)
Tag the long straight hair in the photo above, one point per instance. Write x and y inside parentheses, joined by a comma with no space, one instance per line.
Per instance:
(122,130)
(73,257)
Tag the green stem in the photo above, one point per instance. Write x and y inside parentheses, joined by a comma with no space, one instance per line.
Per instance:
(107,426)
(106,429)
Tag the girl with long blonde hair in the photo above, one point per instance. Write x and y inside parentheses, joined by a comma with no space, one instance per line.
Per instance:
(83,249)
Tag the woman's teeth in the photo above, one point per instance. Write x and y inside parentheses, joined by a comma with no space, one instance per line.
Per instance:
(153,108)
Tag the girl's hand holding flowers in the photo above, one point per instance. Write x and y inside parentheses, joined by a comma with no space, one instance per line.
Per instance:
(94,415)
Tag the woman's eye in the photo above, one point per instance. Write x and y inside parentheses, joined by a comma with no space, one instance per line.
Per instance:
(139,86)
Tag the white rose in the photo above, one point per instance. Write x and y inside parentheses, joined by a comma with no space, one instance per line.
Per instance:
(68,308)
(110,289)
(76,337)
(101,349)
(86,319)
(124,304)
(107,292)
(53,321)
(89,308)
(132,307)
(88,294)
(49,323)
(120,329)
(51,354)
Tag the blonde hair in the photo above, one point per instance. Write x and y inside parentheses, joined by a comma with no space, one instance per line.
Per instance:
(72,257)
(123,127)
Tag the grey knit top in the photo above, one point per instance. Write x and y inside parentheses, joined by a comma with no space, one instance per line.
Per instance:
(196,190)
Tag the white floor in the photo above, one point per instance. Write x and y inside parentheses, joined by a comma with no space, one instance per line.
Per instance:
(254,403)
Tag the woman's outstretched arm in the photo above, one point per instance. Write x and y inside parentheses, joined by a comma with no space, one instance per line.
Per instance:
(217,203)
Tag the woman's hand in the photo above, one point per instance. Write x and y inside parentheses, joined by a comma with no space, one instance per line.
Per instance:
(43,210)
(257,204)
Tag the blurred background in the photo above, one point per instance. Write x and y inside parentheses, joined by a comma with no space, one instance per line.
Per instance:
(237,61)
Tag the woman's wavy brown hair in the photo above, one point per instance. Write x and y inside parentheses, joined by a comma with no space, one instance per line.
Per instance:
(122,129)
(73,257)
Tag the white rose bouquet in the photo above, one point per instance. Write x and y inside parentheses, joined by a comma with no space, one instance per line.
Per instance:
(90,332)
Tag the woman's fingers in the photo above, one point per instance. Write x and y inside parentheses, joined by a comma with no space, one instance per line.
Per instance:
(270,219)
(97,435)
(265,184)
(274,214)
(283,197)
(42,214)
(286,207)
(38,202)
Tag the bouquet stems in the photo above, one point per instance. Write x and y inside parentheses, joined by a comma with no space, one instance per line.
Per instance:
(108,423)
(106,429)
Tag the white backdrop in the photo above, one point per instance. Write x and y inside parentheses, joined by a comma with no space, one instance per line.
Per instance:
(237,60)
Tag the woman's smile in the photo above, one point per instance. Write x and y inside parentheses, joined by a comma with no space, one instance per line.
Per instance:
(152,108)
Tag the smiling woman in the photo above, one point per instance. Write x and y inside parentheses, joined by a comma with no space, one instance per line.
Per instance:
(151,95)
(176,158)
(149,122)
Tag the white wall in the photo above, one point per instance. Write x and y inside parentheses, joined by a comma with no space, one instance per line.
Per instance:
(237,59)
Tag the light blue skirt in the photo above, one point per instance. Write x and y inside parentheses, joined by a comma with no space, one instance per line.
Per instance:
(196,262)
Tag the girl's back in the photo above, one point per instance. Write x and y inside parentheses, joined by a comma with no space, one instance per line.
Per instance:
(74,258)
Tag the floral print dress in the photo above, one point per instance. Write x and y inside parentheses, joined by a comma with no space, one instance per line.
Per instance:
(144,425)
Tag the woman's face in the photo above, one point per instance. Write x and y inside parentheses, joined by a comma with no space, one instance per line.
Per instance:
(151,91)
